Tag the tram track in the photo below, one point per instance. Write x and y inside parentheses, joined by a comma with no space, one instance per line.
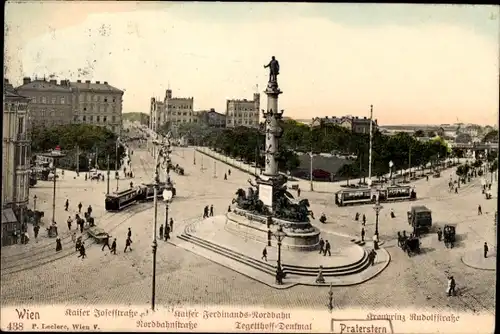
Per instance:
(42,258)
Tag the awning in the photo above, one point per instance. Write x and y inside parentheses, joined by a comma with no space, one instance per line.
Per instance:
(8,216)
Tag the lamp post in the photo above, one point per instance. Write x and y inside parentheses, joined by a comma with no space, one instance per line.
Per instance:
(117,175)
(34,203)
(55,155)
(279,235)
(377,207)
(391,164)
(153,287)
(330,298)
(107,187)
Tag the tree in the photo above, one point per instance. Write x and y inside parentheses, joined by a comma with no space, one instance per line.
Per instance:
(491,137)
(88,138)
(419,134)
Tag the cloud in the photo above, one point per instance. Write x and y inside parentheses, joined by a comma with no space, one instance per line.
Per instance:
(432,73)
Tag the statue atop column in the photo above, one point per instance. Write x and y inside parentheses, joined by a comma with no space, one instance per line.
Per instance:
(274,70)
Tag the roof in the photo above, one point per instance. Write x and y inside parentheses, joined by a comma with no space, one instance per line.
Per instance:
(420,208)
(92,86)
(12,94)
(8,216)
(45,86)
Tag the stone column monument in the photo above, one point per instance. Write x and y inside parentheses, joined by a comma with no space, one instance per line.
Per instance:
(270,179)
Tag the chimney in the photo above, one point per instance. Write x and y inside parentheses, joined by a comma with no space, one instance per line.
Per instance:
(105,82)
(26,80)
(79,81)
(87,81)
(98,82)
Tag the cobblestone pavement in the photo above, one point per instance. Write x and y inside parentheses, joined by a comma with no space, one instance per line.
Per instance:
(184,278)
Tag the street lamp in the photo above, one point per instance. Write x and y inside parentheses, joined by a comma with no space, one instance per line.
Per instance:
(55,155)
(330,298)
(279,235)
(153,288)
(117,175)
(391,164)
(377,207)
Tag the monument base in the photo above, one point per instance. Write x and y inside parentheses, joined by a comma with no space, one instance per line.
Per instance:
(300,236)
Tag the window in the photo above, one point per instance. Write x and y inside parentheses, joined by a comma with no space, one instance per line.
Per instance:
(98,119)
(44,99)
(104,119)
(54,100)
(113,118)
(96,98)
(84,118)
(63,101)
(23,156)
(20,125)
(84,109)
(91,118)
(105,99)
(114,99)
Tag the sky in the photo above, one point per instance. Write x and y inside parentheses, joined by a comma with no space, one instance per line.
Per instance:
(416,64)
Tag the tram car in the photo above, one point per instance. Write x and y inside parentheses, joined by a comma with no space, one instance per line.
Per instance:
(120,200)
(397,193)
(355,196)
(146,191)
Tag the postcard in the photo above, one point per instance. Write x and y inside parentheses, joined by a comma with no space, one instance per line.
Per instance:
(249,167)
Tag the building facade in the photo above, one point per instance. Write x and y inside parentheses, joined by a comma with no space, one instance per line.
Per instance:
(15,160)
(353,123)
(212,118)
(243,112)
(65,102)
(97,103)
(179,109)
(50,101)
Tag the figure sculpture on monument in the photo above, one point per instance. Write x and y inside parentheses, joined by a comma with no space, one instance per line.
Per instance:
(274,70)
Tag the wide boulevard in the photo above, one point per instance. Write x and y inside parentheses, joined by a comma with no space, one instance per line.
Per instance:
(34,273)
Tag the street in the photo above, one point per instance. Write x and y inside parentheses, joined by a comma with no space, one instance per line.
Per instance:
(185,278)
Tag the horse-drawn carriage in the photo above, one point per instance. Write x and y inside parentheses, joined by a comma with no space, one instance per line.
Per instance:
(89,219)
(178,169)
(98,234)
(449,235)
(411,245)
(95,175)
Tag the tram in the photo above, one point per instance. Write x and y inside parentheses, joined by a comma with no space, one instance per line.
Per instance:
(146,191)
(120,200)
(355,196)
(398,193)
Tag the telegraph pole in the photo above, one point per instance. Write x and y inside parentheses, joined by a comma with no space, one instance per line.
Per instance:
(311,159)
(371,147)
(77,159)
(108,176)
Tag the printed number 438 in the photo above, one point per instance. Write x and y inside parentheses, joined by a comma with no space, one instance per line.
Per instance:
(15,326)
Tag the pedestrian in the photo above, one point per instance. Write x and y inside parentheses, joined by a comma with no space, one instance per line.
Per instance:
(66,205)
(86,177)
(321,245)
(82,251)
(364,220)
(362,234)
(229,208)
(479,210)
(451,286)
(167,232)
(81,225)
(456,190)
(113,247)
(427,178)
(264,254)
(161,231)
(373,255)
(171,225)
(129,233)
(89,210)
(229,172)
(440,234)
(356,217)
(211,210)
(105,243)
(128,244)
(69,222)
(225,176)
(485,250)
(58,245)
(80,207)
(298,192)
(327,249)
(131,184)
(35,230)
(205,212)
